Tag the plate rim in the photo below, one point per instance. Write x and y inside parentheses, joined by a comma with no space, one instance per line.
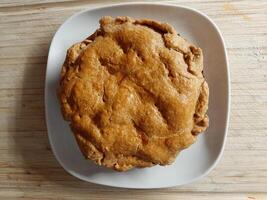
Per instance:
(228,104)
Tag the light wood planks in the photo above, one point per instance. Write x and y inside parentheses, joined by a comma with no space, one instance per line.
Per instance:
(29,170)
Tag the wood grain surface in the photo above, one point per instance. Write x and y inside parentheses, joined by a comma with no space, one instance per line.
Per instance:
(28,169)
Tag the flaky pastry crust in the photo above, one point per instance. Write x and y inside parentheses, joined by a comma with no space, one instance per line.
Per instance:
(134,93)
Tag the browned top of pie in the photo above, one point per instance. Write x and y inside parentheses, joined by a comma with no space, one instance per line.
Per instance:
(134,93)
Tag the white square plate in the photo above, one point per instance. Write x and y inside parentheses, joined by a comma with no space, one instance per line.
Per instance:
(192,163)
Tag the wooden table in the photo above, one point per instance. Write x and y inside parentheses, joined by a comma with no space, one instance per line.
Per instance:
(28,168)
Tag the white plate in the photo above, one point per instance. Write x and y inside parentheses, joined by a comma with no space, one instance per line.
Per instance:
(192,163)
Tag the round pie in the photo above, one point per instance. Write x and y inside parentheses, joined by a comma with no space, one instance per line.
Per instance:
(134,93)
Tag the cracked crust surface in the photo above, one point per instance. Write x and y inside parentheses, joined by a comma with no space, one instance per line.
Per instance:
(134,93)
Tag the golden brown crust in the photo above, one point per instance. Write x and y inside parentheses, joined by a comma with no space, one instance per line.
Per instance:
(134,93)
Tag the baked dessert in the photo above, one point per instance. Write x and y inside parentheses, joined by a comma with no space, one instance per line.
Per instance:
(134,93)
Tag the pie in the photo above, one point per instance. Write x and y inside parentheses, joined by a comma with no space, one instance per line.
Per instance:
(134,93)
